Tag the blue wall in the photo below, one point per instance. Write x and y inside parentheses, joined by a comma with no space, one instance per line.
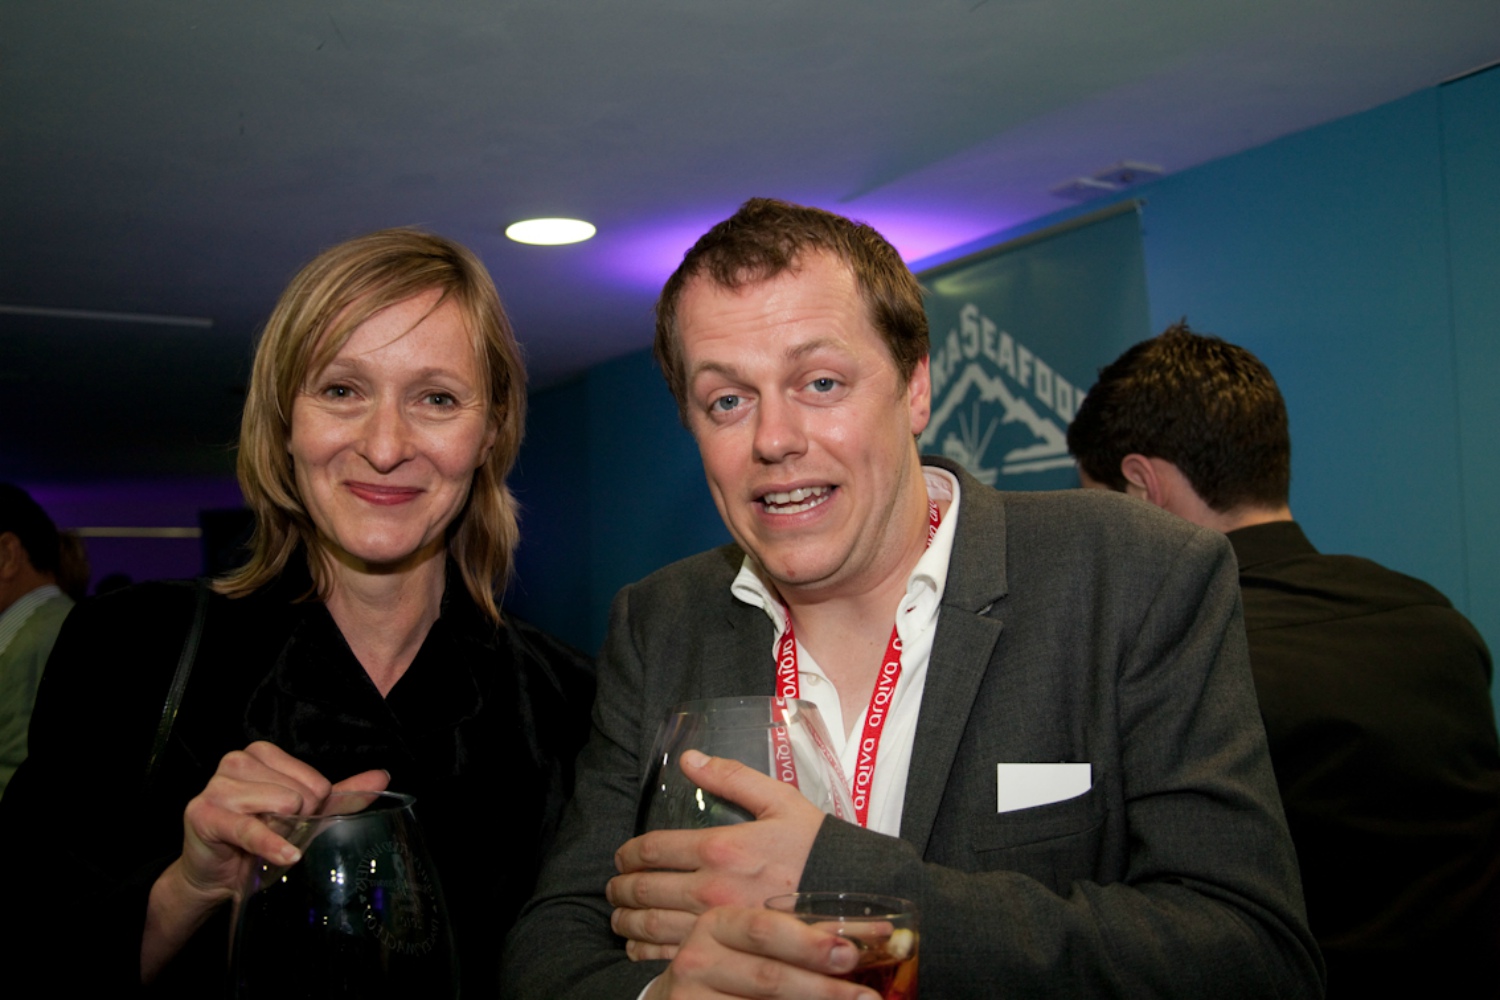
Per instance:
(1325,254)
(1471,175)
(611,489)
(1360,260)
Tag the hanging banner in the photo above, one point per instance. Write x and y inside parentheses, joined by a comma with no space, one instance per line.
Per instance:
(1019,333)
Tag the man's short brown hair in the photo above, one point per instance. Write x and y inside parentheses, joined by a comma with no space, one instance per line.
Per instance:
(767,237)
(1208,407)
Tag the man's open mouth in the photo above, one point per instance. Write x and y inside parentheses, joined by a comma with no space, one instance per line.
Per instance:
(796,501)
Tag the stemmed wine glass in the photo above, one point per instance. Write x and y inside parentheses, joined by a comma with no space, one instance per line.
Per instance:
(781,737)
(361,915)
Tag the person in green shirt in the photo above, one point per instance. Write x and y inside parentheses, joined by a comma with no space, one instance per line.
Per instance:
(32,609)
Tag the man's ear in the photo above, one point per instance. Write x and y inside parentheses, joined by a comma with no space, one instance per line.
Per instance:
(1143,480)
(919,396)
(11,555)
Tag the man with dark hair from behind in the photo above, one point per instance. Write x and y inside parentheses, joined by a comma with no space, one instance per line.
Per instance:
(1374,690)
(32,609)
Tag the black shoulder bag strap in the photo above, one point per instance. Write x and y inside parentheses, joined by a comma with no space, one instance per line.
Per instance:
(179,679)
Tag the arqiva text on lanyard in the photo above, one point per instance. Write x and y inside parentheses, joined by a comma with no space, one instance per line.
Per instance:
(789,686)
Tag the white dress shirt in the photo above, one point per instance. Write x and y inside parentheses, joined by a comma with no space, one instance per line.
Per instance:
(916,624)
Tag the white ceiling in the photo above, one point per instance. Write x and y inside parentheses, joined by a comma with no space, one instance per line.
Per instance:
(182,158)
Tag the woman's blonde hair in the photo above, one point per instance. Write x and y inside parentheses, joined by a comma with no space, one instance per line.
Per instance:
(328,299)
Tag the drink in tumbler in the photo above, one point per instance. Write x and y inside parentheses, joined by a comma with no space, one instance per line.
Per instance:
(883,928)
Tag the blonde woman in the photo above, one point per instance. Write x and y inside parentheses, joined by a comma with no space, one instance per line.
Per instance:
(360,647)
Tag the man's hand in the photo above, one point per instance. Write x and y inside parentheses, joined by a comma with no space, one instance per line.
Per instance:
(223,834)
(668,877)
(745,952)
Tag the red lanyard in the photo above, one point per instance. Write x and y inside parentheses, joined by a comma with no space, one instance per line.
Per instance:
(789,686)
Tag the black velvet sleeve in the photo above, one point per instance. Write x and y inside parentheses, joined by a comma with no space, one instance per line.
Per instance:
(82,836)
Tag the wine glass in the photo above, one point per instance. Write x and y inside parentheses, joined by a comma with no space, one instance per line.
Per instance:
(781,737)
(361,915)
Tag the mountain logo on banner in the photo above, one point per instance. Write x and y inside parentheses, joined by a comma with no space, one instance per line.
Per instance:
(1000,410)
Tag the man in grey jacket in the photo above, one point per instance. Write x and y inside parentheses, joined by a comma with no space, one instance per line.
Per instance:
(1043,698)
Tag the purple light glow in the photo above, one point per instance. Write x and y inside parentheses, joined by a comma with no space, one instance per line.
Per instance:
(917,235)
(647,256)
(165,503)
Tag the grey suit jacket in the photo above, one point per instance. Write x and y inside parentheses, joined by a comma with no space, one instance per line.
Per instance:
(1078,626)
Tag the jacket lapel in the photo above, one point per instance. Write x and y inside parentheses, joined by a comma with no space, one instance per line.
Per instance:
(747,666)
(733,649)
(968,628)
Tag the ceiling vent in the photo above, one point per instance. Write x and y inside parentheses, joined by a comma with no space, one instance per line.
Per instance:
(1125,174)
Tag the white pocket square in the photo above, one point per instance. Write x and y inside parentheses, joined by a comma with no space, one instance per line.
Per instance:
(1023,786)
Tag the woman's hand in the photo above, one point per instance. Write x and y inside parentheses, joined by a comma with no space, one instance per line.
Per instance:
(223,834)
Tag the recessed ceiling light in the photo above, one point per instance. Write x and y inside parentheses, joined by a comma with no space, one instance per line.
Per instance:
(549,232)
